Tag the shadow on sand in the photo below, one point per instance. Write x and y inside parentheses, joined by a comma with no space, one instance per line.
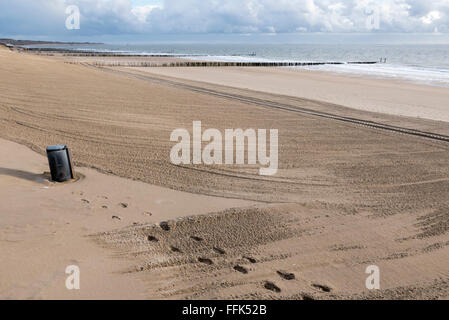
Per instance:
(25,175)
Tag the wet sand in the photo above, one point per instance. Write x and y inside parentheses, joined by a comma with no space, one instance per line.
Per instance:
(393,97)
(345,197)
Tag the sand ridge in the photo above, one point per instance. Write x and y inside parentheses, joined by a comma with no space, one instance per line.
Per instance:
(282,252)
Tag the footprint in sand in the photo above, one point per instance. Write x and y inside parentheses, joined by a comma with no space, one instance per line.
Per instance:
(272,287)
(174,249)
(164,226)
(205,261)
(85,201)
(219,250)
(197,238)
(286,275)
(124,205)
(321,287)
(152,239)
(252,260)
(241,269)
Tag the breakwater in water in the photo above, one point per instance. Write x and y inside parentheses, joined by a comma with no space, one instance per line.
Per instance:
(220,64)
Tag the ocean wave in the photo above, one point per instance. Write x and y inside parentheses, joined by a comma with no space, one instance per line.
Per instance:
(422,75)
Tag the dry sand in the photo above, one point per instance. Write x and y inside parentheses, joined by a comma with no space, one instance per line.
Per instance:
(352,196)
(45,227)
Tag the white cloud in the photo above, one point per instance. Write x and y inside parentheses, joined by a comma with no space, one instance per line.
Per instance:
(292,15)
(142,12)
(98,17)
(431,17)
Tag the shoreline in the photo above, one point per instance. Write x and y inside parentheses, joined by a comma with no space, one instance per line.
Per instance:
(360,91)
(373,76)
(196,59)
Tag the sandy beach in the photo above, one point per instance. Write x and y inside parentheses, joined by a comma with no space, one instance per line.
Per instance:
(345,197)
(393,97)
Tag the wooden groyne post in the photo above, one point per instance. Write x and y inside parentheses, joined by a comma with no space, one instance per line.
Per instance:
(223,64)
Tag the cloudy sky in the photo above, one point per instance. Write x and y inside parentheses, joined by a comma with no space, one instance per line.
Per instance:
(118,17)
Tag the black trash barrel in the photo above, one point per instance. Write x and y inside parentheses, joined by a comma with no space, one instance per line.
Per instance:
(60,163)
